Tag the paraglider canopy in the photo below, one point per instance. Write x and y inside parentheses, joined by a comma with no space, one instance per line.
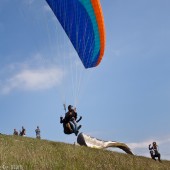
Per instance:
(84,25)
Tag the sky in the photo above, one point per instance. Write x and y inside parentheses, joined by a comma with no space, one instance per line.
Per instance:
(126,98)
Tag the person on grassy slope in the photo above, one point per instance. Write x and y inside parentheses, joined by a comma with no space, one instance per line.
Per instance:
(37,131)
(23,131)
(154,151)
(15,132)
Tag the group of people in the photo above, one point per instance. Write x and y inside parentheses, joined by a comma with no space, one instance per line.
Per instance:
(70,126)
(23,132)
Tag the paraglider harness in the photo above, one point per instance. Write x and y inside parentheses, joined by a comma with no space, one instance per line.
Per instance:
(66,123)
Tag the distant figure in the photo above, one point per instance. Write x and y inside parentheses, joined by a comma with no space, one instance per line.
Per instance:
(22,132)
(37,131)
(154,151)
(15,132)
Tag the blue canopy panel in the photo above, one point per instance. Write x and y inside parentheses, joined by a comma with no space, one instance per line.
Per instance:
(78,19)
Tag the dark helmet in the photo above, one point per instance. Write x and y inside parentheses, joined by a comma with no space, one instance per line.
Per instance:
(70,107)
(154,143)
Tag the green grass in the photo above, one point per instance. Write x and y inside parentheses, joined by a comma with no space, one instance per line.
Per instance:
(26,153)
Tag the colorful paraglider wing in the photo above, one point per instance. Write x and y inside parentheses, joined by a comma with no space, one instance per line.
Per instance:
(83,23)
(92,142)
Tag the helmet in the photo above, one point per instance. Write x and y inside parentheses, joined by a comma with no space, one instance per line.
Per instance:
(154,143)
(70,107)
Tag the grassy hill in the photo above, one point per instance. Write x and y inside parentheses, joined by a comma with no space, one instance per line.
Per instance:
(22,153)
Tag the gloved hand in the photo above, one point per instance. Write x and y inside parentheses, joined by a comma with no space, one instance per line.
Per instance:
(61,119)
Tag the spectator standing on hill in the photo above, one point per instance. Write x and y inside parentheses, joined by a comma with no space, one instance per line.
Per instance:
(37,131)
(23,132)
(15,132)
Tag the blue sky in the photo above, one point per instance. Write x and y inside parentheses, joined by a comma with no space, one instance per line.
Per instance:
(126,98)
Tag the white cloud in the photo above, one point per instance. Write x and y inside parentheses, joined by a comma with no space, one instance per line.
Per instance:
(141,148)
(140,145)
(145,144)
(35,79)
